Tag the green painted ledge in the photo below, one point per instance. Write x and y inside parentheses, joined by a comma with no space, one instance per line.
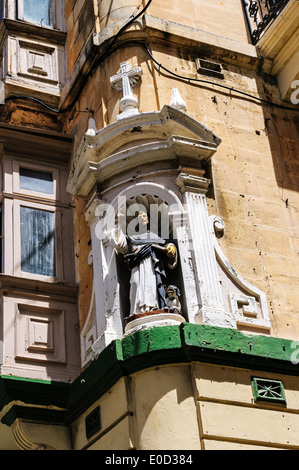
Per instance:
(147,348)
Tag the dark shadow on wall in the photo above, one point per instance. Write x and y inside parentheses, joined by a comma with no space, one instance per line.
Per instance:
(282,127)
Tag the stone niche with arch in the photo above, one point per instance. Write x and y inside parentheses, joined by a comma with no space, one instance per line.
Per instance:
(158,160)
(165,219)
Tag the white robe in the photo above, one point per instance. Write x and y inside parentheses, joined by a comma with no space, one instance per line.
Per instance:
(143,287)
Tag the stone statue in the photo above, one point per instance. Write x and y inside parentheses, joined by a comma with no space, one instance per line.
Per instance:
(173,298)
(145,254)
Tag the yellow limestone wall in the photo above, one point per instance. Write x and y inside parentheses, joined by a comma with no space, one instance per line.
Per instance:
(214,16)
(255,190)
(192,407)
(255,170)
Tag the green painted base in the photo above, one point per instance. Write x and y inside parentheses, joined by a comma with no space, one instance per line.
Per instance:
(182,343)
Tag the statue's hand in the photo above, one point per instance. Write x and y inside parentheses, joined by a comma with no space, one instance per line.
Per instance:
(118,226)
(170,250)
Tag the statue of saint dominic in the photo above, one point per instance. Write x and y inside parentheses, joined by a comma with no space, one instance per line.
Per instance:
(145,254)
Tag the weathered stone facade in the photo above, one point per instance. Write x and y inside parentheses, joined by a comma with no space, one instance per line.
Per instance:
(211,127)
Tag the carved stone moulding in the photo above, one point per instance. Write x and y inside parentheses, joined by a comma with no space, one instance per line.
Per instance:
(35,436)
(39,319)
(169,135)
(159,317)
(33,61)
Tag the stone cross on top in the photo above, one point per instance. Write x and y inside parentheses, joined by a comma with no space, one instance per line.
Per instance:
(125,80)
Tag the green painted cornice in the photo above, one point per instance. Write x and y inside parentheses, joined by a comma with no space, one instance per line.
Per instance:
(183,343)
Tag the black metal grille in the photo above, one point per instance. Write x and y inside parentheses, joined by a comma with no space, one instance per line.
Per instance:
(260,14)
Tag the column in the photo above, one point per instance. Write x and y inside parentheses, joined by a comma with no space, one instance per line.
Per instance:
(194,190)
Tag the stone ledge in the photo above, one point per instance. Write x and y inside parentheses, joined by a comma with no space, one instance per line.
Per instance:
(158,31)
(14,285)
(36,143)
(22,28)
(233,51)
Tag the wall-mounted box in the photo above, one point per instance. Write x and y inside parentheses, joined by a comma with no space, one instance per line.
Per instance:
(211,69)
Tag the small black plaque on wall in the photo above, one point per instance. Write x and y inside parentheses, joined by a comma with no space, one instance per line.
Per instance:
(93,423)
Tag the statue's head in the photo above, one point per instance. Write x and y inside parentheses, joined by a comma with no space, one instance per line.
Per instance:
(143,218)
(173,291)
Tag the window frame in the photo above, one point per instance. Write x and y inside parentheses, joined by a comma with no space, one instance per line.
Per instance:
(56,14)
(21,16)
(57,240)
(40,201)
(36,194)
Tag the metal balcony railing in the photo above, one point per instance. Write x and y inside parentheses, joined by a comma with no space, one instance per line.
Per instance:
(260,14)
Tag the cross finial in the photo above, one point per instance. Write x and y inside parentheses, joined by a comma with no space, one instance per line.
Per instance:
(125,80)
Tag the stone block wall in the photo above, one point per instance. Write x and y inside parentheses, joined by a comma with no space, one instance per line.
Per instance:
(254,172)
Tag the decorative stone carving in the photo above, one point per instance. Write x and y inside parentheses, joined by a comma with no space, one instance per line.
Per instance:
(38,62)
(245,304)
(173,298)
(104,322)
(173,148)
(152,319)
(92,130)
(110,297)
(177,101)
(33,63)
(34,436)
(194,189)
(173,136)
(126,78)
(40,334)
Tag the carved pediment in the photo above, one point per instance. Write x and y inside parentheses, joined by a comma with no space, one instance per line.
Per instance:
(146,138)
